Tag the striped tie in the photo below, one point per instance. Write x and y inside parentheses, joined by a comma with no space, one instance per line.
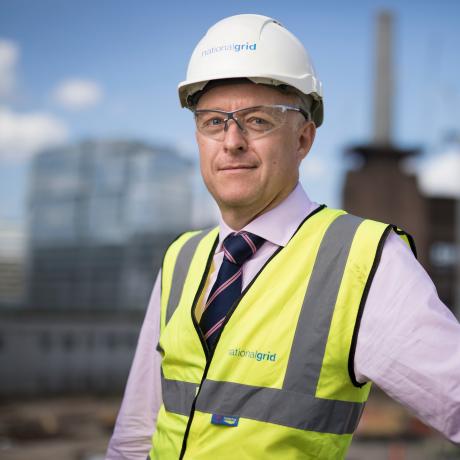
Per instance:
(238,247)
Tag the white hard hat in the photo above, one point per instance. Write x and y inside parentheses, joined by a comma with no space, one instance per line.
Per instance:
(255,47)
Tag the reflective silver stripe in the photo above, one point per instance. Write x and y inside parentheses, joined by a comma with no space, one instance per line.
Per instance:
(281,407)
(183,261)
(312,328)
(178,396)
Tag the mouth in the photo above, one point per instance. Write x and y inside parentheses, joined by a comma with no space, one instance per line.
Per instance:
(237,167)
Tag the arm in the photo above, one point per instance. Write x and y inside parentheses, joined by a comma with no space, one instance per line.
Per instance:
(409,341)
(136,419)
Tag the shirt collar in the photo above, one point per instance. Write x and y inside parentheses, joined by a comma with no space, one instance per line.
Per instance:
(279,224)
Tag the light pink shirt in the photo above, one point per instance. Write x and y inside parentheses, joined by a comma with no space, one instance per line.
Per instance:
(408,342)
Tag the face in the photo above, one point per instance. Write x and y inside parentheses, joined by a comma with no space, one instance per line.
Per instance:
(252,176)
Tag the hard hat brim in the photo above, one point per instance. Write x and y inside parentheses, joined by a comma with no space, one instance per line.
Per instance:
(187,89)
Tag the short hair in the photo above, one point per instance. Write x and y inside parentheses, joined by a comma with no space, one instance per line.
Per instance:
(305,100)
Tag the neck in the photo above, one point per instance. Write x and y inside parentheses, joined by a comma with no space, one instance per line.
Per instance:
(238,217)
(237,220)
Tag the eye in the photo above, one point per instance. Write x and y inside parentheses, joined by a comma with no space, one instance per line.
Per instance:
(215,121)
(211,119)
(258,123)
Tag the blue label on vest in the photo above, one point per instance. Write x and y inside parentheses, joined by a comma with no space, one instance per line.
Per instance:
(225,420)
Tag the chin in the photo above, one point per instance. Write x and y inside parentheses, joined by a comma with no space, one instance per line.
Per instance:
(234,200)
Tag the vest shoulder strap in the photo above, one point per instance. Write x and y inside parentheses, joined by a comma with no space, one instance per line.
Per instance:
(175,266)
(406,237)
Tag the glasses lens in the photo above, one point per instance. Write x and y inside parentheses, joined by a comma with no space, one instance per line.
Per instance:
(258,121)
(210,123)
(253,121)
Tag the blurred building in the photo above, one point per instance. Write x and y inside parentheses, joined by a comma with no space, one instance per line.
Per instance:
(381,188)
(46,353)
(443,248)
(12,265)
(102,214)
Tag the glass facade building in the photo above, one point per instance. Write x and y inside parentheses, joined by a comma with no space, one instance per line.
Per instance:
(101,215)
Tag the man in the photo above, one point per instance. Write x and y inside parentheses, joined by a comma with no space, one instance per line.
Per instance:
(269,327)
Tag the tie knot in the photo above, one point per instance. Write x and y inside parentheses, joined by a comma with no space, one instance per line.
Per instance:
(239,247)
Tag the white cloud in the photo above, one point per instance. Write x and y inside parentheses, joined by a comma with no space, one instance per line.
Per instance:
(22,135)
(9,55)
(77,94)
(441,175)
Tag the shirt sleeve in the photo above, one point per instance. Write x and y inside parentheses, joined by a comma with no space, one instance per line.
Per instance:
(409,341)
(136,421)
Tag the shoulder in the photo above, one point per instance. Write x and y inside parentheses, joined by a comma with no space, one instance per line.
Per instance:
(399,261)
(397,237)
(186,244)
(190,235)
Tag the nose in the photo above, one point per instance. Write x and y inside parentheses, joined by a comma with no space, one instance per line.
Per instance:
(234,140)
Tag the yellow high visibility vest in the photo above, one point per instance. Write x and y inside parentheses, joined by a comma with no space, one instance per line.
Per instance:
(280,383)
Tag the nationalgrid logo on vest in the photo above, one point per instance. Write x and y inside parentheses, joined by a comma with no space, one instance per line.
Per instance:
(257,355)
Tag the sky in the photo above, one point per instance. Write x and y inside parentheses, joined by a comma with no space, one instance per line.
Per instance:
(75,70)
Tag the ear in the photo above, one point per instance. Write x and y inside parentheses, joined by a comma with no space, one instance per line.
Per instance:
(306,136)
